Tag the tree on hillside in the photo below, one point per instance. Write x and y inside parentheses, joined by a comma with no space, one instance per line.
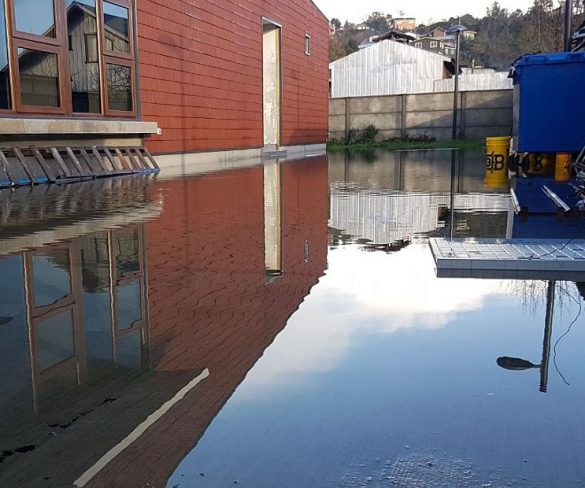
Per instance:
(503,35)
(496,44)
(336,24)
(378,22)
(346,41)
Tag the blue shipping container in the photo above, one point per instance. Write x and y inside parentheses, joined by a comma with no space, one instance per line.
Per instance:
(550,102)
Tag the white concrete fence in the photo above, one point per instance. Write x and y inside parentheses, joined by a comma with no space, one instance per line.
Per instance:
(482,114)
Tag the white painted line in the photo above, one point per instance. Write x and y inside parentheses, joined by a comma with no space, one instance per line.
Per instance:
(136,433)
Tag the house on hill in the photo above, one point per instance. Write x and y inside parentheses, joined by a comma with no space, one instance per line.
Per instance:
(437,32)
(405,24)
(440,33)
(190,79)
(436,45)
(391,35)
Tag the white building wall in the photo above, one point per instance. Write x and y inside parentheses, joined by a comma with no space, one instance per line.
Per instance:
(392,68)
(386,68)
(476,82)
(386,217)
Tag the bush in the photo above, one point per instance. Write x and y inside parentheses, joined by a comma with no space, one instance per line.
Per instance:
(412,139)
(367,135)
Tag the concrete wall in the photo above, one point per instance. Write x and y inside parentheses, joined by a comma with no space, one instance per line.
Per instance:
(483,114)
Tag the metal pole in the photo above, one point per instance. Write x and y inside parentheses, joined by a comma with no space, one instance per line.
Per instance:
(568,25)
(546,346)
(454,135)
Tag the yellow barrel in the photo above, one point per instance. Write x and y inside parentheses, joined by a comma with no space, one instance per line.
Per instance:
(563,167)
(540,164)
(498,150)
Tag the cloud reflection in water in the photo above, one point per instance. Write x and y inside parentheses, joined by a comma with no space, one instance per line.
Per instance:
(363,293)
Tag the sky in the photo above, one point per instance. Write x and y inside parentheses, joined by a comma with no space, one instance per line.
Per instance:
(425,11)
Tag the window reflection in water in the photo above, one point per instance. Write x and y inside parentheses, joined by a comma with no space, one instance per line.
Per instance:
(35,17)
(84,311)
(128,308)
(55,340)
(119,87)
(51,277)
(39,78)
(83,55)
(126,252)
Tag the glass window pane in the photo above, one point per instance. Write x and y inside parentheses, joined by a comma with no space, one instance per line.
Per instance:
(35,17)
(116,28)
(55,340)
(39,78)
(4,73)
(126,251)
(119,87)
(128,305)
(129,350)
(83,56)
(51,280)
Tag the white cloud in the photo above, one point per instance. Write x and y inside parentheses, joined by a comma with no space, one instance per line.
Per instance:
(364,293)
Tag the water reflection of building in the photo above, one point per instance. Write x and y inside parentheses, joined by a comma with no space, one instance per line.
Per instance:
(387,197)
(72,326)
(206,306)
(385,217)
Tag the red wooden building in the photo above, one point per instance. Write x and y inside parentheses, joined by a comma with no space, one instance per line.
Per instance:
(231,77)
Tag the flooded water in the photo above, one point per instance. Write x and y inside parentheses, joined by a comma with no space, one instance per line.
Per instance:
(280,325)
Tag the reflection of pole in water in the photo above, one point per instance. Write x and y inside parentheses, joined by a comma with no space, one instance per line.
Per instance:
(550,309)
(515,364)
(452,194)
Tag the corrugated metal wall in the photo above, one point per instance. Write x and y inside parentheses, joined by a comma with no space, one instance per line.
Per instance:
(386,68)
(385,217)
(392,68)
(476,82)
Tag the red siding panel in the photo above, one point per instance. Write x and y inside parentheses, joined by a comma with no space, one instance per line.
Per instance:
(201,72)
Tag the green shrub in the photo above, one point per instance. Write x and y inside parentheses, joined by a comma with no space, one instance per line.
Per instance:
(366,135)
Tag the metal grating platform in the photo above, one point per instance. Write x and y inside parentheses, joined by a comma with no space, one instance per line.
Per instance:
(26,166)
(510,259)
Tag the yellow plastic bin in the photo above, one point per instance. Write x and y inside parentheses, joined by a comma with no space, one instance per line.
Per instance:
(540,164)
(498,150)
(563,167)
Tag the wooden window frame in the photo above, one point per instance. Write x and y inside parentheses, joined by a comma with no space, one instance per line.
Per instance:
(59,45)
(127,4)
(104,70)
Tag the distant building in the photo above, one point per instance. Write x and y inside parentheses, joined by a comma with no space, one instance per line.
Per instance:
(437,32)
(440,33)
(404,24)
(388,68)
(436,45)
(391,35)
